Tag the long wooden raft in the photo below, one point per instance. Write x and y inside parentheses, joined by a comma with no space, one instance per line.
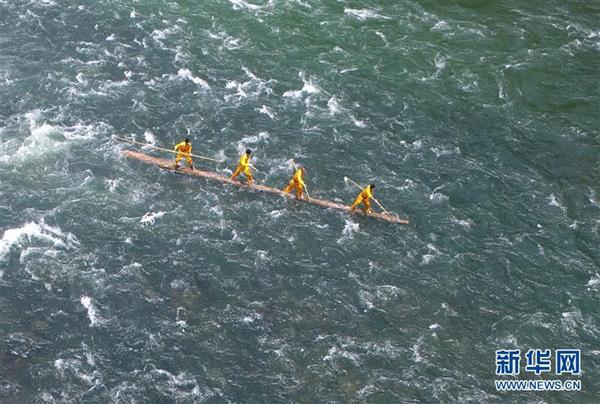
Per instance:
(166,164)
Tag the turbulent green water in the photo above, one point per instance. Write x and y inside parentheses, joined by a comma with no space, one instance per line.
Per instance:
(120,282)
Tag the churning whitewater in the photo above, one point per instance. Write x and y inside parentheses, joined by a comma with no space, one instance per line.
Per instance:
(124,282)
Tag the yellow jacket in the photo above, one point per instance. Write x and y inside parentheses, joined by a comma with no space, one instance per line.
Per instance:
(244,160)
(366,193)
(298,177)
(183,148)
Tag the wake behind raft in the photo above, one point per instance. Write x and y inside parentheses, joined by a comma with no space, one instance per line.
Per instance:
(166,164)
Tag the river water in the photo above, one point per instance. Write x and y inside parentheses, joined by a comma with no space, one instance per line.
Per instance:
(121,282)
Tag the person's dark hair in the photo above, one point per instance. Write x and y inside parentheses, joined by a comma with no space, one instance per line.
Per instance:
(372,186)
(248,151)
(187,140)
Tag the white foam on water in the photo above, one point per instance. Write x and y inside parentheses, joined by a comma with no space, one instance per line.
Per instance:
(251,318)
(440,65)
(446,307)
(46,3)
(430,256)
(241,4)
(415,348)
(59,364)
(440,26)
(416,145)
(293,94)
(334,353)
(350,229)
(89,357)
(254,87)
(437,197)
(112,184)
(359,123)
(440,62)
(181,55)
(74,367)
(179,284)
(408,184)
(149,137)
(383,38)
(303,4)
(244,5)
(553,201)
(570,321)
(276,213)
(80,78)
(92,312)
(240,92)
(470,87)
(186,74)
(232,84)
(182,387)
(218,210)
(593,198)
(35,232)
(464,223)
(5,75)
(29,15)
(364,14)
(366,298)
(385,293)
(594,282)
(45,138)
(369,390)
(132,269)
(150,217)
(334,106)
(228,42)
(253,139)
(308,87)
(267,111)
(159,35)
(443,151)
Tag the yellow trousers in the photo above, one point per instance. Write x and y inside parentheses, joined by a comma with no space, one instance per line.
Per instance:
(187,158)
(246,170)
(295,185)
(359,200)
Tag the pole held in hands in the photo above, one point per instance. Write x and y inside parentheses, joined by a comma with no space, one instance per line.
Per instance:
(166,150)
(359,187)
(305,186)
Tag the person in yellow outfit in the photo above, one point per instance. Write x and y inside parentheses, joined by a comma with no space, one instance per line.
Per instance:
(183,149)
(244,167)
(297,183)
(365,198)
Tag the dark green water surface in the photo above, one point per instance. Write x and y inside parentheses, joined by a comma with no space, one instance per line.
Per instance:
(123,283)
